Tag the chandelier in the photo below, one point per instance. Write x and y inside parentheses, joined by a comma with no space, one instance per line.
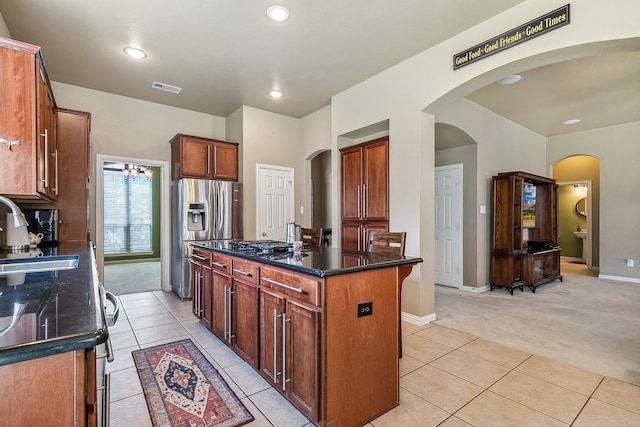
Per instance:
(134,170)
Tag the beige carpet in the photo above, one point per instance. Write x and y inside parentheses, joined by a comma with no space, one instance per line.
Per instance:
(132,277)
(583,321)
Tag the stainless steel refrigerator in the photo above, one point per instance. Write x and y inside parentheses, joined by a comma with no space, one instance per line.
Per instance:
(201,210)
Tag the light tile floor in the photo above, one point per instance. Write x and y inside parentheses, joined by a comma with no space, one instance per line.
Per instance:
(448,378)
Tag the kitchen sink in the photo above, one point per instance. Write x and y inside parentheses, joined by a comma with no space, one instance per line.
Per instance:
(32,265)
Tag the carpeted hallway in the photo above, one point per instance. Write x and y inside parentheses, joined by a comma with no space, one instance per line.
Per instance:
(583,321)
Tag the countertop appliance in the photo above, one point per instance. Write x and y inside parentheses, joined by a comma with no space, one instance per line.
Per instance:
(45,221)
(202,210)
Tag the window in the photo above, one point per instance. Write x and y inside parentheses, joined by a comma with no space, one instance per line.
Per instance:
(128,213)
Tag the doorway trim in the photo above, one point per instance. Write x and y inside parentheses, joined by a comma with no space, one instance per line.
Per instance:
(589,217)
(259,195)
(458,217)
(101,159)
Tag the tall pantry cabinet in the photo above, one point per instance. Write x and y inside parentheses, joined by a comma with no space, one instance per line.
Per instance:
(365,192)
(28,151)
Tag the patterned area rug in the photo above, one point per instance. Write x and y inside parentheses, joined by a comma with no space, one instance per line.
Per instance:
(182,388)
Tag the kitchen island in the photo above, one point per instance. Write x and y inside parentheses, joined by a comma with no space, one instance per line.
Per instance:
(320,326)
(51,322)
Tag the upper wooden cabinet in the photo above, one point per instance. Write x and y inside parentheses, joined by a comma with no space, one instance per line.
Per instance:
(29,159)
(196,157)
(365,181)
(365,191)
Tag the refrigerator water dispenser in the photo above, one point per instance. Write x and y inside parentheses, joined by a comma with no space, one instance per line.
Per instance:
(196,217)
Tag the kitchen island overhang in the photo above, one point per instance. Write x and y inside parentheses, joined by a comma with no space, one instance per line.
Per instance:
(327,322)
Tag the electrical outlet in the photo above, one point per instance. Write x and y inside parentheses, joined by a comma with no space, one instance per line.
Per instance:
(301,209)
(629,262)
(365,309)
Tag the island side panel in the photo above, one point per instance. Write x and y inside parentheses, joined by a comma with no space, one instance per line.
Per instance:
(362,364)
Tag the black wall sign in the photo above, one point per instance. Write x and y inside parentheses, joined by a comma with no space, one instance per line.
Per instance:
(525,32)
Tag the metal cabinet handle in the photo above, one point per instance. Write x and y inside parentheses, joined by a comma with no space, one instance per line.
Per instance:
(199,257)
(244,273)
(275,345)
(208,159)
(225,312)
(55,189)
(291,288)
(364,201)
(45,179)
(359,201)
(230,314)
(111,320)
(217,264)
(284,351)
(106,398)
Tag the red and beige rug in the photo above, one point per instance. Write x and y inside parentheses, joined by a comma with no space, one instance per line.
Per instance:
(182,388)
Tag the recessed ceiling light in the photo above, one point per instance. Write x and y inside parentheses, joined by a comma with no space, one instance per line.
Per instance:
(134,52)
(278,13)
(276,93)
(509,80)
(571,122)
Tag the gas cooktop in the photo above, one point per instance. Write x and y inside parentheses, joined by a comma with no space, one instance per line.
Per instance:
(260,246)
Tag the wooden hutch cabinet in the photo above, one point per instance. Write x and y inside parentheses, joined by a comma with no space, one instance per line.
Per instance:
(29,161)
(203,158)
(365,192)
(524,232)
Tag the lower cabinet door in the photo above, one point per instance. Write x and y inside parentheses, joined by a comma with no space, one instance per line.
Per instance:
(271,312)
(302,355)
(206,296)
(244,321)
(220,285)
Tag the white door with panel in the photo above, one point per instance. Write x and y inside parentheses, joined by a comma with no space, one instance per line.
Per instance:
(274,205)
(448,225)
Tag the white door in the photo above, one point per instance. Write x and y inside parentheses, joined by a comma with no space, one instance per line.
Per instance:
(448,223)
(274,201)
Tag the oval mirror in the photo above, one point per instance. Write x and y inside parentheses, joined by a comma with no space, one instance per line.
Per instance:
(581,206)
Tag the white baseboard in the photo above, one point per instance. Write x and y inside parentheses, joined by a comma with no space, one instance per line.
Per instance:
(619,278)
(418,320)
(473,289)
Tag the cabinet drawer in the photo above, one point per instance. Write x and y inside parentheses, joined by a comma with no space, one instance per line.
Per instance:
(304,289)
(221,263)
(246,271)
(201,256)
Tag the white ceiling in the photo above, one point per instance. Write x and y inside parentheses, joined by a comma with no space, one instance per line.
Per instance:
(227,53)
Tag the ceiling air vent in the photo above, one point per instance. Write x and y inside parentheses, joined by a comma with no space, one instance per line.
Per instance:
(166,87)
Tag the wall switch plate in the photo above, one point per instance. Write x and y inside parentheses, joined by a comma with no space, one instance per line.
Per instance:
(365,309)
(629,262)
(483,209)
(301,209)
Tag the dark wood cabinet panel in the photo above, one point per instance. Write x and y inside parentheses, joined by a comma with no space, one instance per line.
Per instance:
(271,310)
(204,158)
(524,225)
(244,321)
(365,191)
(207,291)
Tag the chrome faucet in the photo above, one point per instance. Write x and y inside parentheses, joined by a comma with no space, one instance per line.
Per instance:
(18,217)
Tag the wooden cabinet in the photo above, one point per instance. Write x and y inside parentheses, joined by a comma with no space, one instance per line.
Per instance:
(541,267)
(290,337)
(29,160)
(204,158)
(365,191)
(200,264)
(73,174)
(524,224)
(244,310)
(54,389)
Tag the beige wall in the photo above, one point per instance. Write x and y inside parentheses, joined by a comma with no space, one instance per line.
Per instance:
(4,31)
(411,95)
(271,139)
(618,149)
(128,127)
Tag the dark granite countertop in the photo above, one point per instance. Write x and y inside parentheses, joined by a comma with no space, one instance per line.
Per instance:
(63,310)
(319,261)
